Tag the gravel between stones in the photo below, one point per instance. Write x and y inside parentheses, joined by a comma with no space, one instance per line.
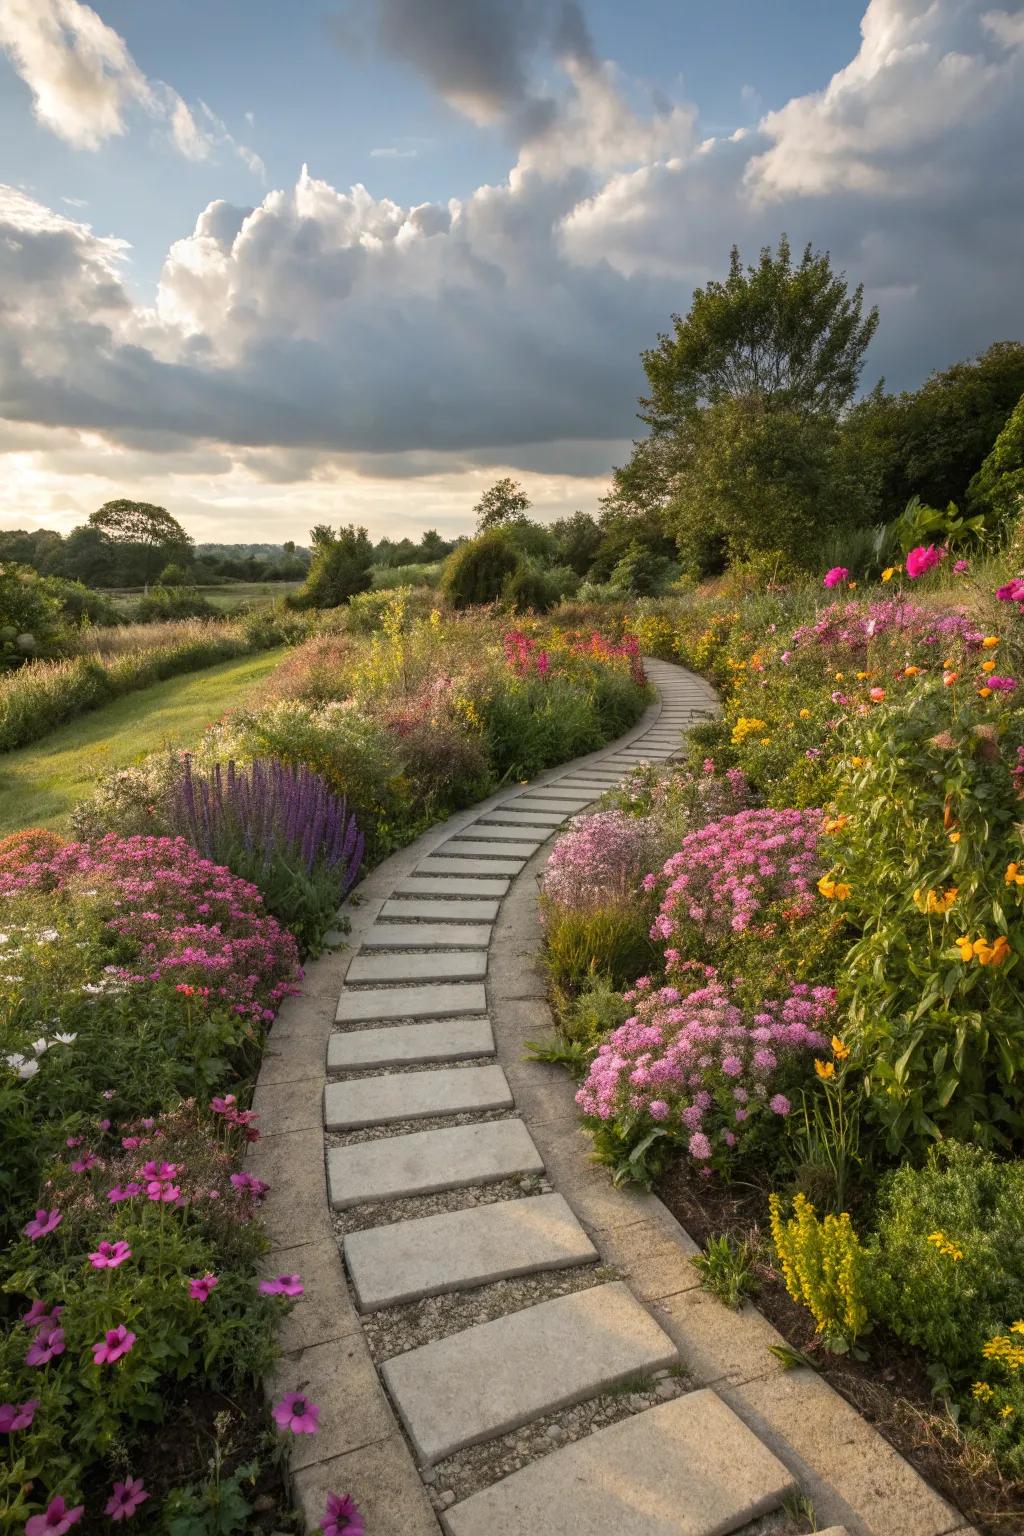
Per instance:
(382,1213)
(407,1069)
(404,1127)
(478,1466)
(393,1330)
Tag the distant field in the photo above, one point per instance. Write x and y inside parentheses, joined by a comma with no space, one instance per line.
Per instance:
(254,594)
(39,784)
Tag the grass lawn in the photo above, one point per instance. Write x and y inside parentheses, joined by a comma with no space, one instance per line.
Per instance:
(39,784)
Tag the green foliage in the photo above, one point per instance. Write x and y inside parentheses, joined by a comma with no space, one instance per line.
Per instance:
(726,1269)
(591,1012)
(919,524)
(341,566)
(478,570)
(503,503)
(827,1269)
(530,588)
(29,616)
(576,540)
(145,538)
(612,942)
(949,1255)
(171,601)
(997,490)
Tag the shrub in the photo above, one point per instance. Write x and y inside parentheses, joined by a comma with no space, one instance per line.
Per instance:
(826,1268)
(697,1071)
(477,571)
(598,861)
(596,1009)
(530,587)
(611,941)
(170,601)
(680,800)
(997,490)
(281,829)
(29,616)
(340,567)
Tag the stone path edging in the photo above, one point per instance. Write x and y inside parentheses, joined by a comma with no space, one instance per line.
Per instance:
(793,1420)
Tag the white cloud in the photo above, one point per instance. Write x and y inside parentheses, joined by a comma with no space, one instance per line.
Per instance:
(85,82)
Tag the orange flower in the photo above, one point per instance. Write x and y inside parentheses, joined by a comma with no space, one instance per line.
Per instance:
(954,837)
(988,666)
(984,693)
(835,824)
(949,678)
(911,671)
(839,1050)
(990,642)
(825,1069)
(1013,875)
(878,694)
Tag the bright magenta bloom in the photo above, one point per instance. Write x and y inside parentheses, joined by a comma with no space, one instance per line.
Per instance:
(42,1224)
(110,1255)
(114,1343)
(117,1194)
(284,1285)
(836,576)
(57,1519)
(922,559)
(39,1313)
(48,1342)
(125,1499)
(342,1517)
(297,1413)
(200,1289)
(17,1415)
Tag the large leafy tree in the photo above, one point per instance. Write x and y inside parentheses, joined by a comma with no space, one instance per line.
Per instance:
(505,502)
(149,537)
(997,490)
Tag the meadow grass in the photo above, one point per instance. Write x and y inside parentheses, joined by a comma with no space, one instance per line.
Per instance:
(40,783)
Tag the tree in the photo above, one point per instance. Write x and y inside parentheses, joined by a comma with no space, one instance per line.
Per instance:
(505,502)
(432,546)
(477,571)
(150,537)
(772,335)
(339,569)
(576,540)
(997,490)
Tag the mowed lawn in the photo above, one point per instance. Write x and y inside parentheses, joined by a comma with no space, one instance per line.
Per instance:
(39,784)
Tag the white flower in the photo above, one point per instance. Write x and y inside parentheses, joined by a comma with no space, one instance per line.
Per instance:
(28,1069)
(64,1039)
(47,936)
(4,937)
(40,1045)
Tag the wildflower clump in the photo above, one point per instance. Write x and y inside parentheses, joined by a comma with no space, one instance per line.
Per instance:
(825,1268)
(601,858)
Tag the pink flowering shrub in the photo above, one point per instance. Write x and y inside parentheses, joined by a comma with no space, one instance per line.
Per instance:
(697,1070)
(734,875)
(175,917)
(599,860)
(851,627)
(680,799)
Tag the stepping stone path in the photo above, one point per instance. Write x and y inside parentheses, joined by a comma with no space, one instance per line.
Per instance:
(414,1040)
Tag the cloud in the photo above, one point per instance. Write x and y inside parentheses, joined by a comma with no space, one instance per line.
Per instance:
(85,83)
(392,152)
(325,333)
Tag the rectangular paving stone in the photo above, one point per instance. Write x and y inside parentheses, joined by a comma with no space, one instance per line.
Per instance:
(452,885)
(427,935)
(555,793)
(436,865)
(436,965)
(424,1162)
(432,1001)
(455,910)
(514,817)
(547,803)
(407,1044)
(502,832)
(685,1468)
(495,1376)
(414,1096)
(411,1259)
(484,847)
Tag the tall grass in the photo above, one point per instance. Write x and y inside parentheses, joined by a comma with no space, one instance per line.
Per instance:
(105,642)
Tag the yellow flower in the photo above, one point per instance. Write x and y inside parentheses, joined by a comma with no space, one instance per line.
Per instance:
(835,824)
(746,726)
(833,890)
(981,1391)
(990,642)
(935,901)
(981,950)
(889,573)
(825,1069)
(911,671)
(805,714)
(948,1249)
(966,948)
(1017,1327)
(856,762)
(1006,1411)
(862,675)
(988,666)
(954,837)
(839,1050)
(839,677)
(1013,875)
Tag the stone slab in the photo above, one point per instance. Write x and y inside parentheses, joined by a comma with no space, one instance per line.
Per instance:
(495,1376)
(383,1480)
(501,832)
(425,935)
(412,1259)
(449,885)
(685,1468)
(515,817)
(437,864)
(433,1000)
(484,847)
(556,794)
(425,909)
(414,1096)
(424,1162)
(565,809)
(407,1044)
(436,965)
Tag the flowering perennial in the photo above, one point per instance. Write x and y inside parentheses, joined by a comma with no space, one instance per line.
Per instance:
(599,860)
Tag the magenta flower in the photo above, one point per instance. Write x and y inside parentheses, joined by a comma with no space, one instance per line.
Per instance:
(961,567)
(17,1415)
(836,576)
(163,1193)
(39,1313)
(117,1194)
(342,1517)
(110,1255)
(283,1285)
(1013,592)
(114,1343)
(297,1413)
(125,1499)
(222,1106)
(48,1342)
(779,1104)
(200,1289)
(56,1520)
(42,1224)
(923,559)
(84,1163)
(248,1182)
(1002,684)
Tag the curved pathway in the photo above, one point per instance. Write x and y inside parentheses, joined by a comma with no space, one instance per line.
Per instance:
(542,1339)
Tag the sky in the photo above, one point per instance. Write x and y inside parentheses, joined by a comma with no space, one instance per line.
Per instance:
(352,260)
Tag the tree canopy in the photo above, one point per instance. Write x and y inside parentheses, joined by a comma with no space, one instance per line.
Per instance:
(505,502)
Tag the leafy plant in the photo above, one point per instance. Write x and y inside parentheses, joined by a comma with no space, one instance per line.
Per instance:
(726,1268)
(826,1268)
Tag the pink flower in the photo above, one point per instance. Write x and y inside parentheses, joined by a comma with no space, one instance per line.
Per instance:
(700,1147)
(1013,592)
(836,576)
(110,1255)
(42,1224)
(39,1313)
(200,1290)
(922,559)
(342,1517)
(48,1342)
(56,1520)
(283,1285)
(961,566)
(297,1413)
(1002,684)
(117,1194)
(17,1415)
(125,1499)
(248,1182)
(779,1104)
(114,1343)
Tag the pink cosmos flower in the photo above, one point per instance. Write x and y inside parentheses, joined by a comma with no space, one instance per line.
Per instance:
(114,1343)
(48,1342)
(84,1163)
(117,1194)
(39,1313)
(110,1255)
(342,1517)
(922,559)
(283,1285)
(42,1224)
(200,1289)
(125,1499)
(221,1106)
(56,1520)
(1013,592)
(297,1413)
(17,1415)
(836,576)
